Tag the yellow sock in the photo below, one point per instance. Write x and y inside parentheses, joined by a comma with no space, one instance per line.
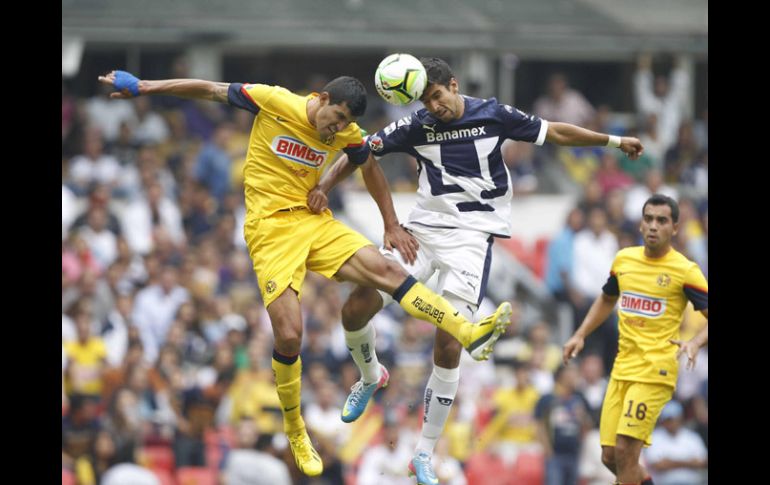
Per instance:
(421,302)
(288,383)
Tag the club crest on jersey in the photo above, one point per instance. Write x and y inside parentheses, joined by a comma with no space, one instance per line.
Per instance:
(643,305)
(375,143)
(270,287)
(295,151)
(664,280)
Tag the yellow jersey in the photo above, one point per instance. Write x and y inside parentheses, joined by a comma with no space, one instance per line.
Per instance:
(652,297)
(286,157)
(87,361)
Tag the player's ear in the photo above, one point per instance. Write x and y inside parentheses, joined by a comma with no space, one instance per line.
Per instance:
(324,98)
(454,86)
(676,229)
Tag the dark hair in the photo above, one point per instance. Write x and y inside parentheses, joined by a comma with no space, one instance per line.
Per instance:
(660,199)
(348,90)
(438,70)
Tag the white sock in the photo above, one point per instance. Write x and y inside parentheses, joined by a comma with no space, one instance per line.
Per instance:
(439,395)
(361,346)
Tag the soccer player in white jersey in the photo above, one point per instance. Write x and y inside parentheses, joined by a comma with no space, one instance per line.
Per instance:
(463,203)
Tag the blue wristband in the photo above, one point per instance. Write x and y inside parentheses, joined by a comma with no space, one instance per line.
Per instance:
(126,80)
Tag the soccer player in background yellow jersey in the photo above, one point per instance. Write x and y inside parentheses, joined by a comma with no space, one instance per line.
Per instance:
(292,139)
(652,283)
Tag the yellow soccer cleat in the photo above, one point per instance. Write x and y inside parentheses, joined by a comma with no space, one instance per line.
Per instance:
(485,333)
(307,458)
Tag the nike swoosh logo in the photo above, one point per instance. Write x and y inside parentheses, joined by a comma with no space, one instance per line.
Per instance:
(456,313)
(280,118)
(289,409)
(631,425)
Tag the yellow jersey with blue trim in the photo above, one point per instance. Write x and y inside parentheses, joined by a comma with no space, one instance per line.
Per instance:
(286,156)
(652,297)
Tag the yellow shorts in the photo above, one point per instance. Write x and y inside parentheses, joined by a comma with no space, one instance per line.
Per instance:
(287,244)
(632,409)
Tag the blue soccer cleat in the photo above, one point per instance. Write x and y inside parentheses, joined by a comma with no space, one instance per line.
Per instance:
(360,394)
(421,467)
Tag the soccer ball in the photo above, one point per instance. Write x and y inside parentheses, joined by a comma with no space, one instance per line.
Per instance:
(400,79)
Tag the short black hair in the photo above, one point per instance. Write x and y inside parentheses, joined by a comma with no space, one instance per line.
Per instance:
(438,70)
(660,199)
(348,90)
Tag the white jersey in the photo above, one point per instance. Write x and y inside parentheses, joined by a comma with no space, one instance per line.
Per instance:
(463,181)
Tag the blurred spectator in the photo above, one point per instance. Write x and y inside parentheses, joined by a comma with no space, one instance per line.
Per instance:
(677,455)
(560,260)
(618,223)
(512,427)
(79,430)
(86,358)
(146,220)
(666,99)
(581,163)
(114,331)
(99,198)
(213,167)
(249,463)
(562,103)
(108,114)
(93,165)
(592,196)
(610,176)
(539,341)
(386,462)
(129,474)
(101,241)
(639,193)
(154,309)
(150,127)
(593,384)
(681,155)
(562,419)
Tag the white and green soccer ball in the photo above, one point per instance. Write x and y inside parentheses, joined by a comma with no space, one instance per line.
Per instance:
(400,79)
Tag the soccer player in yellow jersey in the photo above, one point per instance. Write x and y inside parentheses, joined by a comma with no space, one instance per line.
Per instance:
(292,140)
(652,283)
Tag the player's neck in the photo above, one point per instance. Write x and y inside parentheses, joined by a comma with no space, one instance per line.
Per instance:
(656,253)
(460,106)
(311,108)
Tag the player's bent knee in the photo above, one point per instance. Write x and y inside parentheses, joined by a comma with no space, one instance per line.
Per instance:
(288,341)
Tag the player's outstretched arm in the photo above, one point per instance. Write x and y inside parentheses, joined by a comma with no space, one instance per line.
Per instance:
(395,236)
(597,314)
(129,86)
(567,134)
(692,346)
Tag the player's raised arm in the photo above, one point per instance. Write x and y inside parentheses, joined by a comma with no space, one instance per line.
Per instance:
(129,86)
(395,236)
(567,134)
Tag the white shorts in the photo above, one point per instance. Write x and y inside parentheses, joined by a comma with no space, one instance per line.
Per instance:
(459,256)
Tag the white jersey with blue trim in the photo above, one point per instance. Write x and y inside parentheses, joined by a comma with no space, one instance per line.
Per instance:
(463,181)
